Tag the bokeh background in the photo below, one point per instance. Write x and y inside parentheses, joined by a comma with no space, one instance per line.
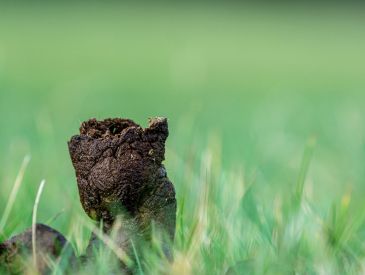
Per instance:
(250,83)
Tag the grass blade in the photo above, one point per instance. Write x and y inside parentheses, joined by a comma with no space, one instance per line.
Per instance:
(14,192)
(34,221)
(307,157)
(140,271)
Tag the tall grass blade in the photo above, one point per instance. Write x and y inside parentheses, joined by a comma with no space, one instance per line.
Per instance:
(304,167)
(34,222)
(14,192)
(140,271)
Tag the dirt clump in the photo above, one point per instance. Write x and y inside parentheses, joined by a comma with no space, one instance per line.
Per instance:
(119,171)
(50,245)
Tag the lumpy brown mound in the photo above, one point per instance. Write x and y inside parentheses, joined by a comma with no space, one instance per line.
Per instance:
(119,169)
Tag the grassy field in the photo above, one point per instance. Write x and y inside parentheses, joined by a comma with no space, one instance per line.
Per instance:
(266,108)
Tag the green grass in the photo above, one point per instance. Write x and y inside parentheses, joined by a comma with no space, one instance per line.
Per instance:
(266,109)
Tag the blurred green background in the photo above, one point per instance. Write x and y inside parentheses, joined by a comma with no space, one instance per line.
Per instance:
(253,82)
